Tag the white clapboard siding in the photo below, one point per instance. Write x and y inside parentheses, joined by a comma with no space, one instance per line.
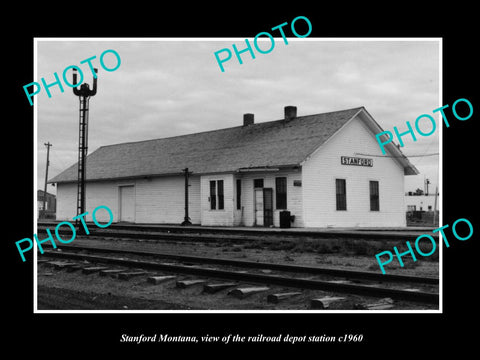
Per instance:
(66,200)
(99,193)
(323,167)
(156,200)
(294,196)
(162,200)
(224,217)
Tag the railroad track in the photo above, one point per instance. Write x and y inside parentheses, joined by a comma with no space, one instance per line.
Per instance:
(397,287)
(192,233)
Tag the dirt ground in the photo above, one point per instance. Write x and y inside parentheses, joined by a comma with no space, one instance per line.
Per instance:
(62,290)
(283,252)
(59,289)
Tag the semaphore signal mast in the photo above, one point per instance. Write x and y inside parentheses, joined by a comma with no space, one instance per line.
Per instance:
(84,93)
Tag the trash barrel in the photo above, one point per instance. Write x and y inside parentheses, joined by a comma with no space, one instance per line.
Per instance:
(285,219)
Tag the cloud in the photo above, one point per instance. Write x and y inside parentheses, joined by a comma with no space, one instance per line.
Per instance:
(172,87)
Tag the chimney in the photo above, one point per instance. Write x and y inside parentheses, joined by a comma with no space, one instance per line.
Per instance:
(290,112)
(248,119)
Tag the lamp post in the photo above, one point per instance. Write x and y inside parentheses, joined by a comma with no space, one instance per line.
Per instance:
(186,219)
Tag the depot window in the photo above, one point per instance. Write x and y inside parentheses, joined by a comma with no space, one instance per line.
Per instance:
(281,192)
(374,196)
(258,183)
(216,195)
(341,192)
(239,194)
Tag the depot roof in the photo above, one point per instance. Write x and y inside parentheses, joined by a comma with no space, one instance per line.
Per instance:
(279,143)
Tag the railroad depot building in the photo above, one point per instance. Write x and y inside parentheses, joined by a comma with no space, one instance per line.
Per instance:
(311,166)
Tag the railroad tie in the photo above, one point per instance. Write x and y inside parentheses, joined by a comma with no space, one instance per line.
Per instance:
(382,304)
(93,269)
(54,263)
(182,284)
(213,288)
(129,275)
(241,293)
(111,272)
(62,265)
(75,267)
(276,298)
(160,279)
(340,281)
(325,302)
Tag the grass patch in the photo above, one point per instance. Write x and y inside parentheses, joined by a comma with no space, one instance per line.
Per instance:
(345,246)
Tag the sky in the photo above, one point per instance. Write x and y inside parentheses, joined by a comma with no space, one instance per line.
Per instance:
(168,87)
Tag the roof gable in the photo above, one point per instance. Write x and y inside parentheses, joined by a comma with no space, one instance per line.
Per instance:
(393,151)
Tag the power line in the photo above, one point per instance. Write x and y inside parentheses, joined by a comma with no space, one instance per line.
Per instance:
(398,157)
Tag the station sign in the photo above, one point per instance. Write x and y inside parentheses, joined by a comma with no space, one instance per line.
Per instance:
(357,161)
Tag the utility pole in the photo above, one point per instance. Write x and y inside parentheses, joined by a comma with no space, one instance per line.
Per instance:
(186,219)
(84,93)
(435,207)
(46,176)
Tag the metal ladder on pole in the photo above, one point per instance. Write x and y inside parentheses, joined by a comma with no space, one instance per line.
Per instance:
(82,153)
(84,93)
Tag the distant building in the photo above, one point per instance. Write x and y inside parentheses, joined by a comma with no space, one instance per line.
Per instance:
(420,209)
(420,202)
(250,175)
(50,203)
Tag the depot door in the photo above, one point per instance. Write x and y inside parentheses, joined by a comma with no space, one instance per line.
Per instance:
(264,207)
(259,207)
(267,206)
(127,203)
